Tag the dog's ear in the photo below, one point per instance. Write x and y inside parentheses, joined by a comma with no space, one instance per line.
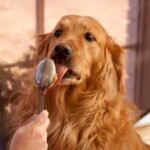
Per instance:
(118,58)
(43,42)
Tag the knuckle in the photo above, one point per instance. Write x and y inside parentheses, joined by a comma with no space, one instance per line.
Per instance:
(48,121)
(45,145)
(37,132)
(20,131)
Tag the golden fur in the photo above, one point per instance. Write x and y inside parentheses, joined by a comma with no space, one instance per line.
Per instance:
(90,114)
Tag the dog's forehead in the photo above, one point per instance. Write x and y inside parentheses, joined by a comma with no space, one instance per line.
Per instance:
(85,22)
(82,24)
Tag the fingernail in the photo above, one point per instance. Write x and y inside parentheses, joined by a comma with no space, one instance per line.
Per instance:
(34,116)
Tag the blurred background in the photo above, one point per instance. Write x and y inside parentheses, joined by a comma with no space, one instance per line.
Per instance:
(127,21)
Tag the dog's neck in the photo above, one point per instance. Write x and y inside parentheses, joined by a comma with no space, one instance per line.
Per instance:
(66,101)
(76,113)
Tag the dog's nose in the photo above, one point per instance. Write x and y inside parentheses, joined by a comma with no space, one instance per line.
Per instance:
(62,51)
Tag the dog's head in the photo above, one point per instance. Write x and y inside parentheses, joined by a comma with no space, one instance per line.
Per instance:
(82,45)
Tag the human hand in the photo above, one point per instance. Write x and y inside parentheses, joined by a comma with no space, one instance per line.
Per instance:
(32,136)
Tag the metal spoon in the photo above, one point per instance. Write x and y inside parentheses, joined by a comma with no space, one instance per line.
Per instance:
(45,76)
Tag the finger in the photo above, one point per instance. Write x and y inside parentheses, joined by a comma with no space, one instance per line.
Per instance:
(45,136)
(45,146)
(45,124)
(41,119)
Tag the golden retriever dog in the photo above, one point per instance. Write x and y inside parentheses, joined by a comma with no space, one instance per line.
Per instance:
(88,109)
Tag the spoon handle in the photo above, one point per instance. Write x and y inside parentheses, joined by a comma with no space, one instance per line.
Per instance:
(40,102)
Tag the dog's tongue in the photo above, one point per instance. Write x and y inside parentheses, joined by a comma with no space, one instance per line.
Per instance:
(60,70)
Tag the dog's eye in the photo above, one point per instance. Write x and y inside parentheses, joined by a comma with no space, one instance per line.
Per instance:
(58,33)
(90,37)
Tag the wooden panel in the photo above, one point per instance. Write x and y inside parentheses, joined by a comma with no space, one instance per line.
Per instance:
(39,16)
(142,86)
